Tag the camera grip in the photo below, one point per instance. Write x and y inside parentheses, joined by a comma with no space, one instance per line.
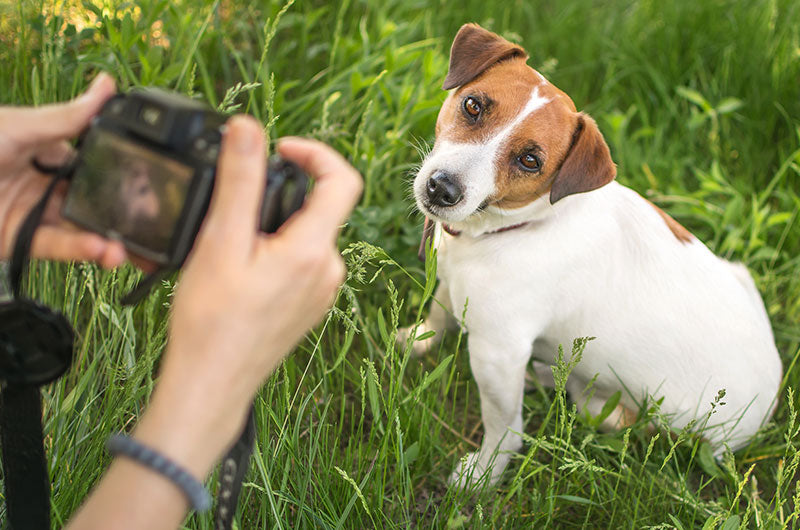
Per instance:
(284,193)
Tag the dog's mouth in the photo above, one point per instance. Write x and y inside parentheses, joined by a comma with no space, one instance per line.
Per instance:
(445,213)
(446,194)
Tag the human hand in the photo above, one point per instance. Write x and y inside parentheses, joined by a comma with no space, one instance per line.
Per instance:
(245,297)
(42,133)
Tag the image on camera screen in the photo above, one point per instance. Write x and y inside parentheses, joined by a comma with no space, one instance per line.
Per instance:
(128,192)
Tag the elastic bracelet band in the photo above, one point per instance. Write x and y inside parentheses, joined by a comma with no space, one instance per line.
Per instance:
(196,493)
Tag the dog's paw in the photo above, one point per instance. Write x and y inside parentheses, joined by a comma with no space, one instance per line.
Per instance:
(419,347)
(468,473)
(475,469)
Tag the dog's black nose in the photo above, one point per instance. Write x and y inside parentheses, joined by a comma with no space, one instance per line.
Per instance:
(443,190)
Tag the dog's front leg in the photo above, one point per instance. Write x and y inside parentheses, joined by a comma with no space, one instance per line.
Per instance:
(498,365)
(439,319)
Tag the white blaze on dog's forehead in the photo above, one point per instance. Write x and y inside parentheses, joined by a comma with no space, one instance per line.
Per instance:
(535,102)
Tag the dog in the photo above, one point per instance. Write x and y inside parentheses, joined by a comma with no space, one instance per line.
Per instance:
(541,245)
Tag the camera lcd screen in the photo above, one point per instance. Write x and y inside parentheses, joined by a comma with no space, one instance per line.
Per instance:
(128,192)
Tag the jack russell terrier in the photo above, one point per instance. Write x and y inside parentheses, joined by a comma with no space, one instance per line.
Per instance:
(542,246)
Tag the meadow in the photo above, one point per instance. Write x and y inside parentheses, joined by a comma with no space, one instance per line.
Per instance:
(700,104)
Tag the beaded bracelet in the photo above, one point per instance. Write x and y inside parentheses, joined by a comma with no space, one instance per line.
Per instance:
(196,493)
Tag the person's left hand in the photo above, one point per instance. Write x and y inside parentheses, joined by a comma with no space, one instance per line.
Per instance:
(42,133)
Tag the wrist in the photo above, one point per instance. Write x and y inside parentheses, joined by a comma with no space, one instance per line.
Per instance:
(191,425)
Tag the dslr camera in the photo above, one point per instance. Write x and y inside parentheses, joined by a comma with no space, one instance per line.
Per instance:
(145,171)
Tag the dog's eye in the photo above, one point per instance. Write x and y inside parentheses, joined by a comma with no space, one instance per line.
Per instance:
(472,107)
(529,162)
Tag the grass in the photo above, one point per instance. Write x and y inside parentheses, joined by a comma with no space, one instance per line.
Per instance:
(700,104)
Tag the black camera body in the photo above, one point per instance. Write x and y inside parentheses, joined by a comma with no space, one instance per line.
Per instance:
(145,171)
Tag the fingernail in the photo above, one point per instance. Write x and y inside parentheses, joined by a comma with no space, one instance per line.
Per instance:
(96,82)
(98,79)
(242,135)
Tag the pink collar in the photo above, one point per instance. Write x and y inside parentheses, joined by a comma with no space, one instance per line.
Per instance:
(453,232)
(427,233)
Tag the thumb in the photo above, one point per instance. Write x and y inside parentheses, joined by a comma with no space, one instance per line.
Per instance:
(62,120)
(239,188)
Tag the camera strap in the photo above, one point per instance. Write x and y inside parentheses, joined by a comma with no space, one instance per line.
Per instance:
(35,349)
(142,288)
(234,466)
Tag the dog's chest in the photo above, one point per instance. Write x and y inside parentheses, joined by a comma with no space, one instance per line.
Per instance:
(493,276)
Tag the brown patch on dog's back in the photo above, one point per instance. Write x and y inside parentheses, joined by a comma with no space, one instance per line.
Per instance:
(677,229)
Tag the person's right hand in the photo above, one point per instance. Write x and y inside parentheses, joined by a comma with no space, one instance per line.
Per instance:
(245,297)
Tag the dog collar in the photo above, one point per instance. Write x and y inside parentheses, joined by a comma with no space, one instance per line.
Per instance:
(428,229)
(453,232)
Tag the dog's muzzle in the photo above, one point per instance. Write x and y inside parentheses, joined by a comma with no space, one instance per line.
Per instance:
(443,190)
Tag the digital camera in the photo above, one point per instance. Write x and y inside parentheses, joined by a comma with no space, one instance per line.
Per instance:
(145,171)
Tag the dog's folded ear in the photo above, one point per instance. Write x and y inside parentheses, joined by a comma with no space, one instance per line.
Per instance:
(588,165)
(474,50)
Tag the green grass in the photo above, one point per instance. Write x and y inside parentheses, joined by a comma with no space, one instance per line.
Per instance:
(700,103)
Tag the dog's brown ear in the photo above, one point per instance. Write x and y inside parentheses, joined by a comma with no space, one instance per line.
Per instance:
(588,165)
(474,50)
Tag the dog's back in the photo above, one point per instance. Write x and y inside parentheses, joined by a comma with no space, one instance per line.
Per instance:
(672,319)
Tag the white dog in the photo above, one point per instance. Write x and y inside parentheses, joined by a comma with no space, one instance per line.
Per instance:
(543,246)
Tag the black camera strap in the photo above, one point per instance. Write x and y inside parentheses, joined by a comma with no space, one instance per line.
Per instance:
(234,467)
(142,288)
(35,349)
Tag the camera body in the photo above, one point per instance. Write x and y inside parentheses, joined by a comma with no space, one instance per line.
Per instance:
(145,171)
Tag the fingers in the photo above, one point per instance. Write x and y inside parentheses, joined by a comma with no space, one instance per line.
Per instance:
(115,255)
(65,244)
(336,190)
(62,120)
(54,154)
(69,243)
(239,188)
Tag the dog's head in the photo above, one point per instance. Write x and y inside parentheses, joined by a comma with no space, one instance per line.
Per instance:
(506,139)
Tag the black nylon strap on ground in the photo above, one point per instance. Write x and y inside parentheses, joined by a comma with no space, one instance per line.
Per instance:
(234,467)
(27,482)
